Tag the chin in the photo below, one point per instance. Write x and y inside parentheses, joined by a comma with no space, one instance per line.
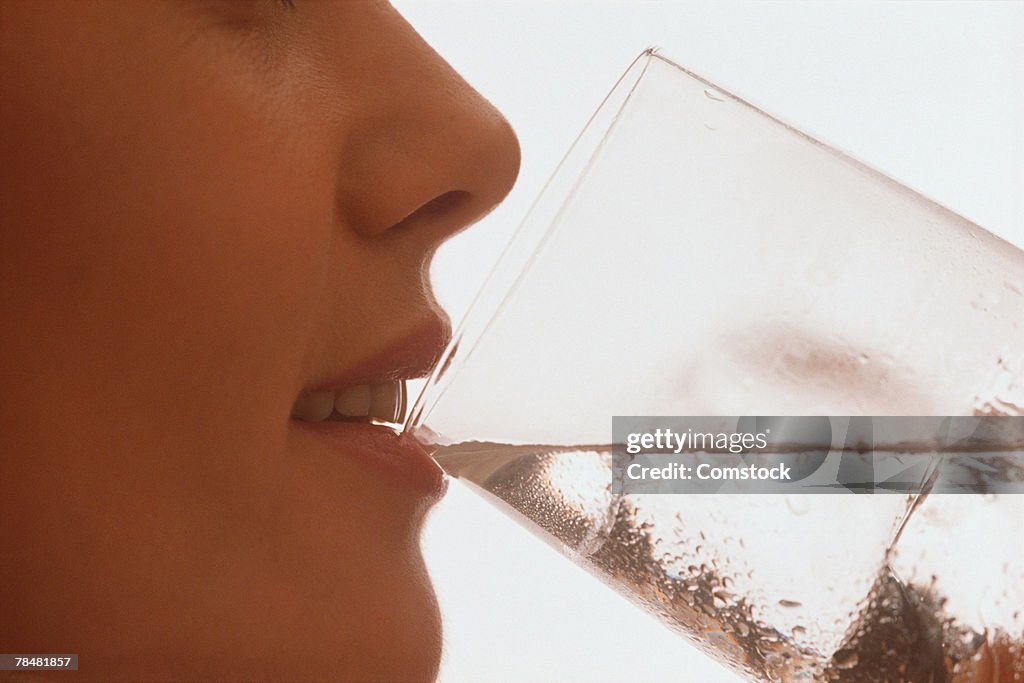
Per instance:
(382,624)
(408,641)
(363,609)
(375,620)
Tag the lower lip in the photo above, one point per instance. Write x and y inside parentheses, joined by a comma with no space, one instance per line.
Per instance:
(396,456)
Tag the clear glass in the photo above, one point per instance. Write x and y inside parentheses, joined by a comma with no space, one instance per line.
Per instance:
(693,255)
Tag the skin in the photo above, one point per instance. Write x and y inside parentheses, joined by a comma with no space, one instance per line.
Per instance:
(202,213)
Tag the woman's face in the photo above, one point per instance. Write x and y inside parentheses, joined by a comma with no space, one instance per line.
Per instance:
(209,211)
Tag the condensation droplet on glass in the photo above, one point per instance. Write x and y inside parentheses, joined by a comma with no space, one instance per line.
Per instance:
(845,659)
(713,96)
(790,603)
(1014,287)
(796,504)
(710,126)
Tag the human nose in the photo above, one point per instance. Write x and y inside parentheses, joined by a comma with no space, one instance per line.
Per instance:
(434,154)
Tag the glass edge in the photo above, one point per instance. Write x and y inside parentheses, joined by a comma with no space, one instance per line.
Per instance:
(637,68)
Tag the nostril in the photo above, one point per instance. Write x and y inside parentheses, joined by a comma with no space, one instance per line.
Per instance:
(445,204)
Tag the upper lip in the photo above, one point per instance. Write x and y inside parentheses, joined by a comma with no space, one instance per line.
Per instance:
(413,355)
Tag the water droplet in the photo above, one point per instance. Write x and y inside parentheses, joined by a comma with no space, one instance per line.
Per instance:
(863,358)
(710,126)
(799,630)
(845,659)
(1014,287)
(796,504)
(790,603)
(711,95)
(743,629)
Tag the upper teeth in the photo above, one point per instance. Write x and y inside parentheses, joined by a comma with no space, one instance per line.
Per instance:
(384,402)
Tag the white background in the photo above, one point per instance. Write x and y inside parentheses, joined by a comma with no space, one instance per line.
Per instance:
(928,93)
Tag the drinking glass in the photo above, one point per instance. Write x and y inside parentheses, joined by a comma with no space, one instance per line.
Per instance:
(695,256)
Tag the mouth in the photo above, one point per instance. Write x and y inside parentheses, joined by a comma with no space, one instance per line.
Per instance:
(366,403)
(359,413)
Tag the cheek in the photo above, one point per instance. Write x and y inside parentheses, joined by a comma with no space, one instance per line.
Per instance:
(166,271)
(172,268)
